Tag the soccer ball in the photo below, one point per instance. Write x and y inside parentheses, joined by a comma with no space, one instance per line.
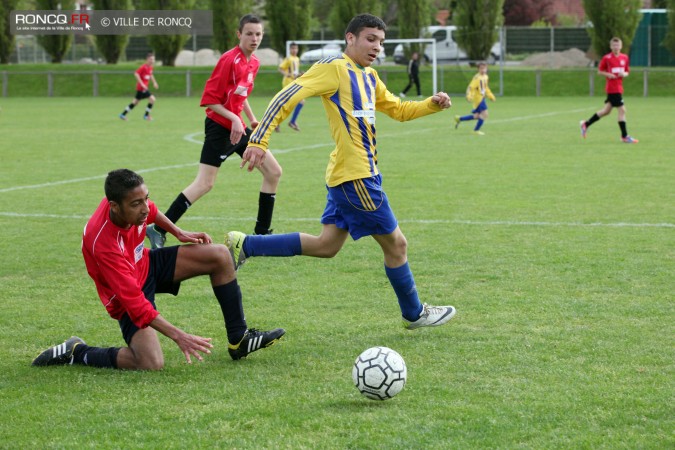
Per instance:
(379,373)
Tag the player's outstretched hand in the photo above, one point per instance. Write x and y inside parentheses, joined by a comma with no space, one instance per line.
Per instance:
(194,237)
(254,156)
(192,345)
(442,99)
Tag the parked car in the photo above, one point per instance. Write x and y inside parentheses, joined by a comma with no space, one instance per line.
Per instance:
(447,48)
(328,50)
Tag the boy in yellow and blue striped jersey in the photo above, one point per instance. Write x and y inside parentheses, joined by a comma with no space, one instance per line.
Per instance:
(351,92)
(476,92)
(290,69)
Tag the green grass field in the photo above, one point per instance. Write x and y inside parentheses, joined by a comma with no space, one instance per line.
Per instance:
(558,252)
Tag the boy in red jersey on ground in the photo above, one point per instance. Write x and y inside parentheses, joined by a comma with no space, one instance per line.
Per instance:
(615,67)
(225,97)
(127,277)
(143,77)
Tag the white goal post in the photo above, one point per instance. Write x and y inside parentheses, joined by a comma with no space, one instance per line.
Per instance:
(434,65)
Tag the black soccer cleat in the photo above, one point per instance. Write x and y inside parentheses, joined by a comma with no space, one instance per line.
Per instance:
(254,340)
(61,354)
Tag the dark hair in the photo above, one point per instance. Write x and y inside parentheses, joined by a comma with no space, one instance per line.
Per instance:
(149,54)
(119,182)
(248,18)
(362,21)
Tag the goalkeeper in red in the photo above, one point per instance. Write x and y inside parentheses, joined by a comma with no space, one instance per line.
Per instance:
(351,91)
(615,67)
(476,92)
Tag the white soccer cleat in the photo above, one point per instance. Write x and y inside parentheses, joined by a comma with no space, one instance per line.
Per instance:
(431,316)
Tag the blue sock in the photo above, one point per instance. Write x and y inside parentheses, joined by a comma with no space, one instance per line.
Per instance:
(479,124)
(467,117)
(296,112)
(272,245)
(401,279)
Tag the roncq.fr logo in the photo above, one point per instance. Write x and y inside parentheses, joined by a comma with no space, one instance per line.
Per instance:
(53,19)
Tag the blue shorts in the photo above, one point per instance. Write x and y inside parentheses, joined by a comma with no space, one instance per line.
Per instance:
(482,106)
(159,280)
(360,207)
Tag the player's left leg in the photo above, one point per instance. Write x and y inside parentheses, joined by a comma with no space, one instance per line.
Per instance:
(271,172)
(294,117)
(151,103)
(129,107)
(214,260)
(415,314)
(625,137)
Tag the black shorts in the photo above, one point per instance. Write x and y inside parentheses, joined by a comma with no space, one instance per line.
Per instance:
(140,95)
(615,100)
(160,280)
(217,146)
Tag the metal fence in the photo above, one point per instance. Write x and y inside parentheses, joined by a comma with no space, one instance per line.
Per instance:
(451,78)
(647,49)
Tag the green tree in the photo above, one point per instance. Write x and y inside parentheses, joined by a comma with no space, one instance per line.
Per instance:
(344,10)
(413,15)
(56,45)
(6,38)
(226,15)
(287,21)
(478,23)
(111,46)
(167,47)
(611,18)
(669,41)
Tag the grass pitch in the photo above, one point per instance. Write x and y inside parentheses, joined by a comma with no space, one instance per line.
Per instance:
(558,253)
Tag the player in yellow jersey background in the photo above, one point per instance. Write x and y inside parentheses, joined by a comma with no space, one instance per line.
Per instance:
(476,93)
(290,69)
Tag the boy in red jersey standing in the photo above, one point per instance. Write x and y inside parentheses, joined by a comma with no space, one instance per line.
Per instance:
(143,77)
(225,97)
(127,277)
(614,66)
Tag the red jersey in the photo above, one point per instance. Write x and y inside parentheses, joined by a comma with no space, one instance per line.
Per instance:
(230,84)
(145,72)
(616,64)
(118,263)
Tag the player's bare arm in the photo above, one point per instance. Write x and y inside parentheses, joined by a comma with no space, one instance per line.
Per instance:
(193,237)
(189,344)
(237,130)
(249,113)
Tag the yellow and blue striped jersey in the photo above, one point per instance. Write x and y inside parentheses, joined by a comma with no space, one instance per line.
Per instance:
(478,89)
(350,94)
(291,67)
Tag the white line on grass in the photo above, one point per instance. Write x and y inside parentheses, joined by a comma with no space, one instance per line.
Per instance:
(416,221)
(191,138)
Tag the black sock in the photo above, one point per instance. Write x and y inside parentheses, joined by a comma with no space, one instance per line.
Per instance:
(624,133)
(594,118)
(176,210)
(147,110)
(128,108)
(96,356)
(265,211)
(229,297)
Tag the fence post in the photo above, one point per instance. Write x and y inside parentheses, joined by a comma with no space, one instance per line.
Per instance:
(188,83)
(591,83)
(537,82)
(645,83)
(5,80)
(95,82)
(50,84)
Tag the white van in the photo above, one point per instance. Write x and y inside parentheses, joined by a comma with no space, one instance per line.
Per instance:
(446,46)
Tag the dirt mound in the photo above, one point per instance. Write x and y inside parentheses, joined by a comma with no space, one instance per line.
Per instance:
(556,60)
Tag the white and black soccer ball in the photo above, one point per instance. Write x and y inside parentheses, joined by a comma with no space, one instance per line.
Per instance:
(379,373)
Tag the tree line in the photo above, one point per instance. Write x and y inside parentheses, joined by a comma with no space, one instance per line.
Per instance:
(477,21)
